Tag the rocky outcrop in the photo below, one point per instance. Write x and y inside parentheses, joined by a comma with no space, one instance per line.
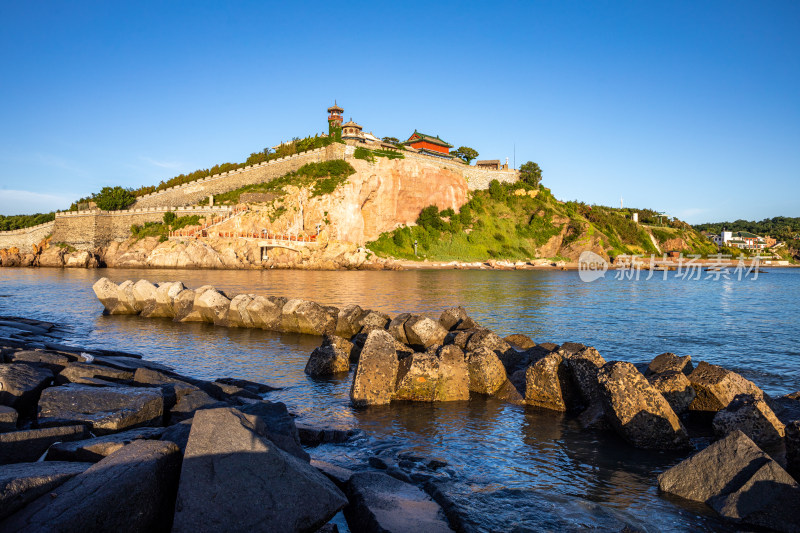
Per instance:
(376,373)
(669,362)
(637,411)
(418,378)
(486,373)
(332,357)
(739,481)
(456,318)
(792,443)
(583,366)
(546,383)
(453,375)
(716,387)
(675,387)
(23,483)
(422,332)
(751,416)
(8,418)
(229,470)
(21,385)
(95,449)
(28,445)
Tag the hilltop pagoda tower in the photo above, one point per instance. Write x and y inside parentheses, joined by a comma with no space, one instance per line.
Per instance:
(335,118)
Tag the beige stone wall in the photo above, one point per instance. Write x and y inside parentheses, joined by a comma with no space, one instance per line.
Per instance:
(88,229)
(25,238)
(191,193)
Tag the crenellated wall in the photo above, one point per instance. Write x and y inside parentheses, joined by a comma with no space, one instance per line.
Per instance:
(25,238)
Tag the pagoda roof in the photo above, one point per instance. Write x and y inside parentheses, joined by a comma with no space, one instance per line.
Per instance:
(351,124)
(429,138)
(335,107)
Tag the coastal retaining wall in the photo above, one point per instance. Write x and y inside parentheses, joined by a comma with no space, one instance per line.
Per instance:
(25,238)
(87,229)
(191,193)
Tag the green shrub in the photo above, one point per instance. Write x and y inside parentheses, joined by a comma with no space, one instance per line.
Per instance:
(363,153)
(169,217)
(114,198)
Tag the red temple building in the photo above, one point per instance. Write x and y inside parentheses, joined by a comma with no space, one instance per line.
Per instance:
(428,144)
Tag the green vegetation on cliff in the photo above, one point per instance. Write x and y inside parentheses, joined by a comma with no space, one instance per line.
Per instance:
(325,177)
(12,222)
(519,221)
(162,229)
(370,155)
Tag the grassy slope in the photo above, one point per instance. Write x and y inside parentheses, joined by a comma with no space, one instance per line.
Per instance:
(501,225)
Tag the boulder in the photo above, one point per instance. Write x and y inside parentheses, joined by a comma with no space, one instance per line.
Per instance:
(179,434)
(508,391)
(229,472)
(418,378)
(265,312)
(348,321)
(333,357)
(29,445)
(55,362)
(584,366)
(787,407)
(484,338)
(520,342)
(8,418)
(422,332)
(460,338)
(21,385)
(486,372)
(316,435)
(716,387)
(107,292)
(379,502)
(571,347)
(105,409)
(183,307)
(638,411)
(238,316)
(95,449)
(751,416)
(792,442)
(739,481)
(376,374)
(310,318)
(77,372)
(252,386)
(397,327)
(340,476)
(143,293)
(126,301)
(453,375)
(456,318)
(669,362)
(278,426)
(162,305)
(132,489)
(22,483)
(213,306)
(373,320)
(547,383)
(675,387)
(190,402)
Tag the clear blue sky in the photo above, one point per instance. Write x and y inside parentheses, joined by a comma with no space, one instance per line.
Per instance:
(692,108)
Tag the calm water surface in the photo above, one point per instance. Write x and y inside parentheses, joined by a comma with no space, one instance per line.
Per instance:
(749,326)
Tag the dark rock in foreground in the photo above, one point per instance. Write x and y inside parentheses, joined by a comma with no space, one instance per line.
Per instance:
(751,416)
(21,385)
(278,426)
(716,387)
(234,479)
(379,502)
(93,450)
(29,445)
(131,490)
(8,418)
(22,483)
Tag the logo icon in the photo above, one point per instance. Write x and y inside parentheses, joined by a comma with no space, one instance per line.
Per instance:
(591,266)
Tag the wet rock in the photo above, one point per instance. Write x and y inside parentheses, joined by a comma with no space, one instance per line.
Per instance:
(787,407)
(418,378)
(29,445)
(189,403)
(376,374)
(508,391)
(486,373)
(675,387)
(456,318)
(238,316)
(333,357)
(314,435)
(8,418)
(310,318)
(584,366)
(162,305)
(178,433)
(21,385)
(379,502)
(396,327)
(77,372)
(716,387)
(252,386)
(571,347)
(669,362)
(339,475)
(638,411)
(106,409)
(348,321)
(792,442)
(278,426)
(55,362)
(95,449)
(374,320)
(547,383)
(738,480)
(484,338)
(265,312)
(519,341)
(549,346)
(229,471)
(22,483)
(751,416)
(453,375)
(132,489)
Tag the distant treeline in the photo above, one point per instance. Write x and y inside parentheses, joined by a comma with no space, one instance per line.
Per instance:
(24,221)
(781,228)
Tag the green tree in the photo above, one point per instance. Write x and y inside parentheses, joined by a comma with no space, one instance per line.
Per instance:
(530,173)
(466,153)
(497,191)
(114,198)
(169,217)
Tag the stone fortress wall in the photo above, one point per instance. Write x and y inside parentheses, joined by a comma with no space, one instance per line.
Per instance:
(25,238)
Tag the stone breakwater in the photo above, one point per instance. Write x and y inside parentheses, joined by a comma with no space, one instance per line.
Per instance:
(666,404)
